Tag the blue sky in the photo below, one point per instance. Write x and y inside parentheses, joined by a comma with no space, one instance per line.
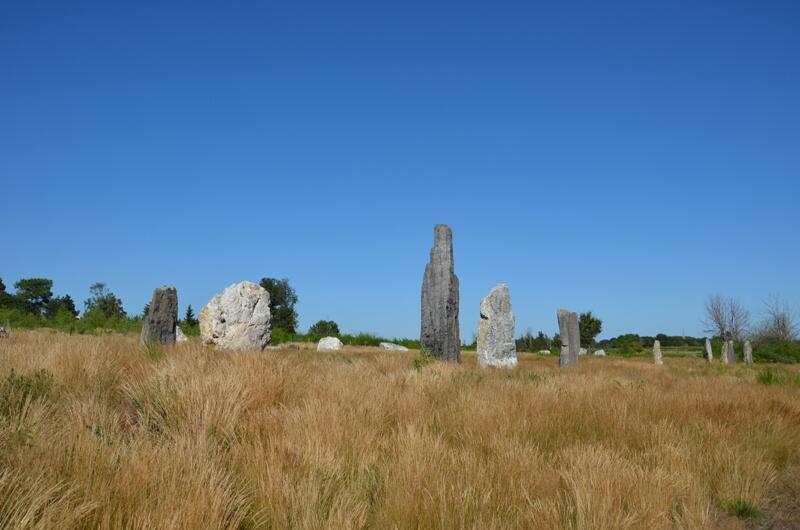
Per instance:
(626,157)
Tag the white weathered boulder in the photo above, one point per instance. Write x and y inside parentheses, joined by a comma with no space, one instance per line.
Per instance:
(582,351)
(329,343)
(238,318)
(180,336)
(392,346)
(600,353)
(543,352)
(709,352)
(496,344)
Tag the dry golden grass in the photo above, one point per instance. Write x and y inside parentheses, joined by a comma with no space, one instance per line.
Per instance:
(195,438)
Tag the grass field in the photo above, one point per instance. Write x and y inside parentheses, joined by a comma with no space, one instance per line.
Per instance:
(100,432)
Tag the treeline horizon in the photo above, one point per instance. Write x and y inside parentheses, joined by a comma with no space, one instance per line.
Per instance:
(34,305)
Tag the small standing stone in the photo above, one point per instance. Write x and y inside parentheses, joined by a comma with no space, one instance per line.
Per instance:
(162,317)
(709,351)
(329,344)
(723,355)
(570,337)
(496,344)
(748,352)
(731,353)
(439,334)
(180,336)
(657,353)
(600,353)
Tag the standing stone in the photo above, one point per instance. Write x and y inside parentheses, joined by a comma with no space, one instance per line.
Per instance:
(709,351)
(657,353)
(162,317)
(723,356)
(731,353)
(180,336)
(570,337)
(748,352)
(238,318)
(439,334)
(599,353)
(496,344)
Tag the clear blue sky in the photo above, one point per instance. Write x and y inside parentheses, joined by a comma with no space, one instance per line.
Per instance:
(626,157)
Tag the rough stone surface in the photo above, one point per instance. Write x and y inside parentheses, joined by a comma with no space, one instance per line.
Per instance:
(731,353)
(570,337)
(439,333)
(657,353)
(748,352)
(709,351)
(583,351)
(496,344)
(543,352)
(392,347)
(180,336)
(162,317)
(723,356)
(600,353)
(237,319)
(329,344)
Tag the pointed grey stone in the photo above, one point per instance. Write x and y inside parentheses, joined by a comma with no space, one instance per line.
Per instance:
(731,353)
(709,351)
(748,352)
(180,336)
(439,333)
(496,344)
(570,337)
(238,318)
(657,353)
(723,356)
(162,317)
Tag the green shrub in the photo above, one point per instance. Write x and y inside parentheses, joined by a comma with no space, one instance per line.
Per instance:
(773,351)
(423,360)
(17,389)
(741,509)
(777,376)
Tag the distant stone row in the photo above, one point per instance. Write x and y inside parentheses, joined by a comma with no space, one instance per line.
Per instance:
(239,319)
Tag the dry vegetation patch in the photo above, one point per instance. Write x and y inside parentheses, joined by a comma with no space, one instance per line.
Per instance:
(100,432)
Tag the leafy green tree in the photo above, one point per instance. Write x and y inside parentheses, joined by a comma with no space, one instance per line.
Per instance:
(190,319)
(59,304)
(34,294)
(282,299)
(590,327)
(324,328)
(104,302)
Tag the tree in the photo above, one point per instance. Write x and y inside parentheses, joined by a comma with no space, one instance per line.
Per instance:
(145,310)
(590,327)
(60,304)
(190,319)
(282,299)
(104,302)
(34,293)
(779,323)
(726,318)
(324,328)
